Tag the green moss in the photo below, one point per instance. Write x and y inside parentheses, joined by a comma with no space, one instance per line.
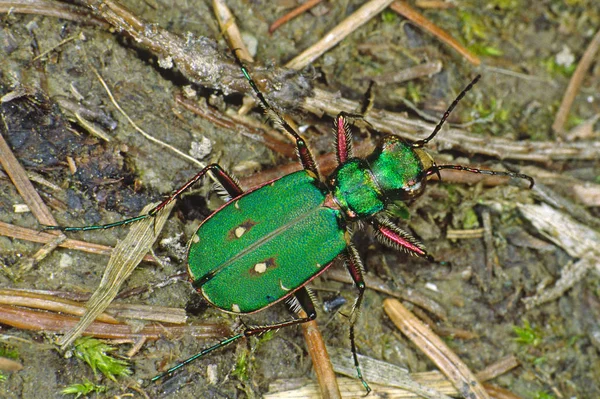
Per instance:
(557,69)
(8,352)
(543,395)
(505,5)
(485,50)
(241,369)
(473,27)
(95,354)
(470,219)
(527,335)
(413,92)
(85,388)
(389,17)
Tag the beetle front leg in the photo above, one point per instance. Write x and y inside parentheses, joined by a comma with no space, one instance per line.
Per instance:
(306,157)
(343,138)
(393,236)
(225,179)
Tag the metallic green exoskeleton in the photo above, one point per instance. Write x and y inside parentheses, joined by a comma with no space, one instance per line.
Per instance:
(257,250)
(265,245)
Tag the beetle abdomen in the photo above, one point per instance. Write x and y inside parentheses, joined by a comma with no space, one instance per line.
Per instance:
(262,246)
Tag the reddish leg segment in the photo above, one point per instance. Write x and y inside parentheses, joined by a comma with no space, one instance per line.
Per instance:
(392,235)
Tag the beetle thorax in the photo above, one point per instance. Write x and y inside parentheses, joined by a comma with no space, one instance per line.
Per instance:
(394,171)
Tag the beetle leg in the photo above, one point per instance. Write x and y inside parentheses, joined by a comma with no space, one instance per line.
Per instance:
(391,235)
(308,162)
(355,268)
(343,138)
(301,300)
(228,182)
(225,179)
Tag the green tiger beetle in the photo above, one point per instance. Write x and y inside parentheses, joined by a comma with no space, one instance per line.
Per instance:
(266,244)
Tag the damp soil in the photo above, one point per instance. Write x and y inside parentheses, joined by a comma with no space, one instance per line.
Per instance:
(525,50)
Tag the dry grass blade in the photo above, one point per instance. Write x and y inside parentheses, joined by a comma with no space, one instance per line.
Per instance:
(389,375)
(51,9)
(127,255)
(337,34)
(352,389)
(439,353)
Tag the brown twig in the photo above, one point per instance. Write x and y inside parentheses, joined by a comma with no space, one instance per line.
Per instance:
(327,163)
(320,359)
(10,365)
(460,375)
(435,4)
(497,392)
(18,176)
(498,368)
(23,233)
(116,311)
(337,34)
(52,9)
(574,84)
(293,14)
(402,8)
(28,319)
(231,31)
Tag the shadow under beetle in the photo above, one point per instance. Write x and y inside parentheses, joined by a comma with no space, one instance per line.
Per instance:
(266,244)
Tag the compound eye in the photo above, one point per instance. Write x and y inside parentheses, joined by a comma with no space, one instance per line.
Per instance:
(414,187)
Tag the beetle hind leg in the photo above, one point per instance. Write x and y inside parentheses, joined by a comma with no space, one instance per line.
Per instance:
(302,301)
(355,268)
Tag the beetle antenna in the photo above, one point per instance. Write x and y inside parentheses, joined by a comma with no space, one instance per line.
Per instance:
(421,143)
(436,170)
